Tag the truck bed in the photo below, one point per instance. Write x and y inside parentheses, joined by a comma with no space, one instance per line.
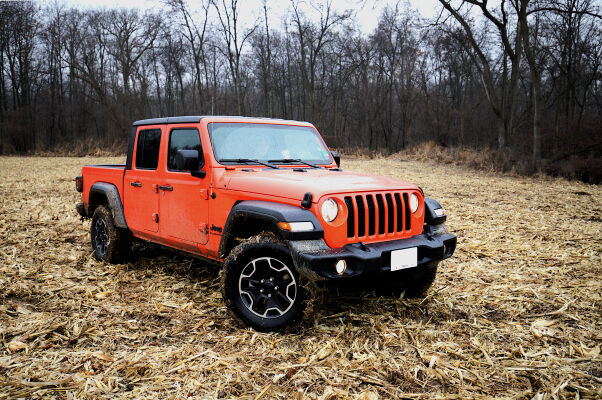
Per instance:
(109,173)
(122,166)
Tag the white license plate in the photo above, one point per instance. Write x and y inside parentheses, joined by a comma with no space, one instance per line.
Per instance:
(404,258)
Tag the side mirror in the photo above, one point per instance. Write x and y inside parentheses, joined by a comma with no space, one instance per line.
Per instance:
(337,158)
(188,160)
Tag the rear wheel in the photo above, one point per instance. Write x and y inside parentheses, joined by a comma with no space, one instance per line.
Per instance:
(261,286)
(110,243)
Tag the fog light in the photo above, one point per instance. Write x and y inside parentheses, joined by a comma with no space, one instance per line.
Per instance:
(341,266)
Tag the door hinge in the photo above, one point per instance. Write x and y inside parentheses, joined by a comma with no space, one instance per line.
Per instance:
(156,218)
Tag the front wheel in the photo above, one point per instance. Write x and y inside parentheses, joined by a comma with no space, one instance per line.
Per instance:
(261,285)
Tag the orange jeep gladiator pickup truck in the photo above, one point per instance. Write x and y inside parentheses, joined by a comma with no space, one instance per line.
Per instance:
(266,199)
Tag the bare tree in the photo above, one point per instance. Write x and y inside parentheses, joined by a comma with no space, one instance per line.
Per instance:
(311,40)
(573,46)
(195,33)
(18,30)
(262,45)
(234,37)
(502,101)
(129,36)
(82,76)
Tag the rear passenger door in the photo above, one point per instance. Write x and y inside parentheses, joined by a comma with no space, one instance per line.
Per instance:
(184,204)
(141,193)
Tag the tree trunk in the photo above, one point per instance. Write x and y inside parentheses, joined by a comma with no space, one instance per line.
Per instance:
(501,135)
(537,119)
(530,49)
(336,109)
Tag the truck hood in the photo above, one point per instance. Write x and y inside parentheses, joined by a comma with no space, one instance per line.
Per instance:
(286,182)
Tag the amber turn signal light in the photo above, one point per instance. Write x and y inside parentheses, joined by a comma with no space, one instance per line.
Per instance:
(296,226)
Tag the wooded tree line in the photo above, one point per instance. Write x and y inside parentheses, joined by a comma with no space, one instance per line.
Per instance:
(522,75)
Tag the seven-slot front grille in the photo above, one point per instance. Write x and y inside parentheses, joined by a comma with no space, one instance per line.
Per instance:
(385,213)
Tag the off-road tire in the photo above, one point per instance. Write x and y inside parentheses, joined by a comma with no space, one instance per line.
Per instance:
(252,262)
(110,244)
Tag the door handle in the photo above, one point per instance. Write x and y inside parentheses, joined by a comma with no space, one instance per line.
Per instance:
(165,187)
(136,184)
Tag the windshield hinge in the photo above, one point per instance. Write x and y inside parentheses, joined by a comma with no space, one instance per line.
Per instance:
(307,198)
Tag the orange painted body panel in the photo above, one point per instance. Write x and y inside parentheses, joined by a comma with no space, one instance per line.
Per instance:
(187,212)
(145,198)
(184,211)
(141,205)
(102,173)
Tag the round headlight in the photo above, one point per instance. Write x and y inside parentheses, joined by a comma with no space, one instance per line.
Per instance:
(330,210)
(413,202)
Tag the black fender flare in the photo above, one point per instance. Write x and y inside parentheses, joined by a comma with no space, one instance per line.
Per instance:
(271,213)
(111,193)
(430,217)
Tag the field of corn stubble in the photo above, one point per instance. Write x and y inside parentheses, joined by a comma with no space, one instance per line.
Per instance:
(516,313)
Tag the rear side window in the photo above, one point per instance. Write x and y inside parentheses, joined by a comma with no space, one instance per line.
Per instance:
(147,149)
(183,139)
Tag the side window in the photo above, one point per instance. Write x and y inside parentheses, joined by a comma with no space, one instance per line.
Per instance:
(183,139)
(147,149)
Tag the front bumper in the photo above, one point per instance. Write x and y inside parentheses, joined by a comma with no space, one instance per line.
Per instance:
(369,262)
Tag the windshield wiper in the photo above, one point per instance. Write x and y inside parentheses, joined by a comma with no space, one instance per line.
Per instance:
(295,160)
(247,161)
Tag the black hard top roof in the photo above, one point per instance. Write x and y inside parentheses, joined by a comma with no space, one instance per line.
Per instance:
(190,119)
(170,120)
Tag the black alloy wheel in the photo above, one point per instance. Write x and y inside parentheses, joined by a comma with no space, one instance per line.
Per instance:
(101,238)
(267,287)
(110,243)
(261,286)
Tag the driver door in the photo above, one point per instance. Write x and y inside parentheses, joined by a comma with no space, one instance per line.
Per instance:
(183,198)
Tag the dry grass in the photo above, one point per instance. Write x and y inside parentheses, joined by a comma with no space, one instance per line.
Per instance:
(514,314)
(585,167)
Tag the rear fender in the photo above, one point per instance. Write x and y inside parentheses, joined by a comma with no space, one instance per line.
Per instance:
(102,192)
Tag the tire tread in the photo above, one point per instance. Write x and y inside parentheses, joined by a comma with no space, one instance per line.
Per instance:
(231,272)
(119,238)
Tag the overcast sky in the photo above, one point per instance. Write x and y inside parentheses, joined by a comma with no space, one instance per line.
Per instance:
(367,11)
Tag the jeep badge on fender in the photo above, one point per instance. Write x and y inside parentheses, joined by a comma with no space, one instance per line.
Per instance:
(280,210)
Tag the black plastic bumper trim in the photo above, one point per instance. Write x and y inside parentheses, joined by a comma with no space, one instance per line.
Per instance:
(81,209)
(316,260)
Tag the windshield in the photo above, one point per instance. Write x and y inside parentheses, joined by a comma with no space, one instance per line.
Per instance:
(251,141)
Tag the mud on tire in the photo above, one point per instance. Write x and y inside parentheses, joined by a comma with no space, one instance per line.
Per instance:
(261,286)
(110,244)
